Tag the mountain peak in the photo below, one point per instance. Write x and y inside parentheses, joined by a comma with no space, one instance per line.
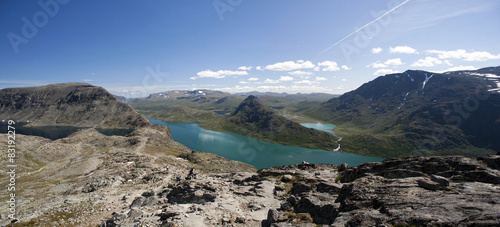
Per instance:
(251,104)
(68,104)
(254,119)
(417,104)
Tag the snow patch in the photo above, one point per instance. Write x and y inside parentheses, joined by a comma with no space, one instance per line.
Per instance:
(404,100)
(487,75)
(494,90)
(427,78)
(412,80)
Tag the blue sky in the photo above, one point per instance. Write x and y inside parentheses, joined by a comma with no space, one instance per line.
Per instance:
(135,48)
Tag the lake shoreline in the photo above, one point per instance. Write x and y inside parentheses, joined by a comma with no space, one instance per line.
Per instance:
(258,153)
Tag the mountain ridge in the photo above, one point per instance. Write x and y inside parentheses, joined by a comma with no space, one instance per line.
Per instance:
(433,111)
(254,119)
(68,104)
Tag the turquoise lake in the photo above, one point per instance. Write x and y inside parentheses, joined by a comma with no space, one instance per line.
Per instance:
(255,152)
(324,127)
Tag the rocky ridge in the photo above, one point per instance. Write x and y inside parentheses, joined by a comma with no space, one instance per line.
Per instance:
(147,179)
(432,191)
(68,104)
(419,113)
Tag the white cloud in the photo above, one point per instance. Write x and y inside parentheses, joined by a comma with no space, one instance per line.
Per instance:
(193,78)
(394,61)
(290,65)
(344,80)
(448,62)
(318,78)
(306,88)
(243,82)
(427,62)
(282,78)
(220,74)
(459,68)
(317,68)
(300,73)
(253,79)
(402,50)
(259,68)
(381,72)
(269,81)
(345,67)
(286,78)
(245,68)
(305,82)
(377,65)
(376,50)
(329,66)
(464,55)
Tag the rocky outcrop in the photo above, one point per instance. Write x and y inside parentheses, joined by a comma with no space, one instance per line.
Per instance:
(69,104)
(428,191)
(433,191)
(148,179)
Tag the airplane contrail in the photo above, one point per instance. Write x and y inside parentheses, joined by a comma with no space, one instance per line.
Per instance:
(359,29)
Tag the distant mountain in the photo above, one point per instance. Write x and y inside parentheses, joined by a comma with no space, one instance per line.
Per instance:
(121,98)
(252,118)
(431,113)
(184,93)
(68,104)
(299,96)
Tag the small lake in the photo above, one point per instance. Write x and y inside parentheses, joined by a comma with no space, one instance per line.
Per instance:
(254,152)
(323,127)
(56,132)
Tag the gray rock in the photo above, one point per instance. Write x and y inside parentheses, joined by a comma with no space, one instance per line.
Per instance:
(343,167)
(134,214)
(148,193)
(427,184)
(441,180)
(274,216)
(149,201)
(168,214)
(286,178)
(137,202)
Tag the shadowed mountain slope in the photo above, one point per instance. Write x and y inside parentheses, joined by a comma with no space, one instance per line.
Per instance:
(434,111)
(68,104)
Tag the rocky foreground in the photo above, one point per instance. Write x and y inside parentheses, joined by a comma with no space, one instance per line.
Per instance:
(147,179)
